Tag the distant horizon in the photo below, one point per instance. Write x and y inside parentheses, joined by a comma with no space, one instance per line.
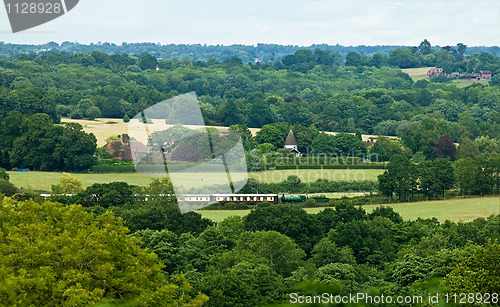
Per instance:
(282,22)
(230,45)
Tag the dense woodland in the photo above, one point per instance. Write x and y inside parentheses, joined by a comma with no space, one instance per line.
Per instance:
(183,259)
(318,90)
(121,244)
(264,52)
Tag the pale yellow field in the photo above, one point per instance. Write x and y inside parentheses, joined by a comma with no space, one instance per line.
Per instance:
(103,128)
(417,73)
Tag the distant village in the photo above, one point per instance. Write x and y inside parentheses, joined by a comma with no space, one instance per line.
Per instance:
(482,75)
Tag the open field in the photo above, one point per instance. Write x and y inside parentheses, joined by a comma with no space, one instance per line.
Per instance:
(44,180)
(338,194)
(453,209)
(417,73)
(309,175)
(103,128)
(421,73)
(464,83)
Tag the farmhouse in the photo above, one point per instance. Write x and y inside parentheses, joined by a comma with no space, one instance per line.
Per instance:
(434,72)
(485,74)
(370,141)
(482,75)
(471,76)
(125,149)
(291,143)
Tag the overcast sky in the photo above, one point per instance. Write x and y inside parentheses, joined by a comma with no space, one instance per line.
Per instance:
(296,22)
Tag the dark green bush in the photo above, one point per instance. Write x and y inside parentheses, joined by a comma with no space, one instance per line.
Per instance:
(7,188)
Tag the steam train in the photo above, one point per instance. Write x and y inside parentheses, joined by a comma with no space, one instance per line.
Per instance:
(240,198)
(250,198)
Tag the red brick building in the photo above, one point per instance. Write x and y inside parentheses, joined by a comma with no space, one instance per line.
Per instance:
(434,72)
(125,149)
(485,74)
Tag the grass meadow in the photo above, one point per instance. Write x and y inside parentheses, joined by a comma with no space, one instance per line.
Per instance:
(465,209)
(421,74)
(43,180)
(417,73)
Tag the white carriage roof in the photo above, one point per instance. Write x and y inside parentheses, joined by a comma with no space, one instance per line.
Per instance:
(242,195)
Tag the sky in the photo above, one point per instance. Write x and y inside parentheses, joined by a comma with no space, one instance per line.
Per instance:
(287,22)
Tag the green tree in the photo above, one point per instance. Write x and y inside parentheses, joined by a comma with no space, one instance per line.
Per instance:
(348,144)
(436,176)
(273,134)
(3,174)
(26,148)
(231,113)
(353,59)
(10,129)
(106,195)
(243,284)
(341,273)
(283,255)
(401,177)
(148,61)
(60,255)
(410,269)
(260,114)
(425,47)
(487,145)
(384,148)
(479,273)
(67,185)
(76,148)
(471,177)
(289,220)
(323,144)
(467,148)
(245,135)
(304,136)
(93,113)
(7,188)
(386,184)
(326,252)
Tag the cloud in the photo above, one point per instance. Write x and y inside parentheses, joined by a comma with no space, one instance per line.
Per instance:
(297,22)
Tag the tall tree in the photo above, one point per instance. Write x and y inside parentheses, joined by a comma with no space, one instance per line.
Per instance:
(425,47)
(401,177)
(52,254)
(445,147)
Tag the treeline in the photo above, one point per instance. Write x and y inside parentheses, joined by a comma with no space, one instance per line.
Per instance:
(471,176)
(333,98)
(451,59)
(35,142)
(193,52)
(252,261)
